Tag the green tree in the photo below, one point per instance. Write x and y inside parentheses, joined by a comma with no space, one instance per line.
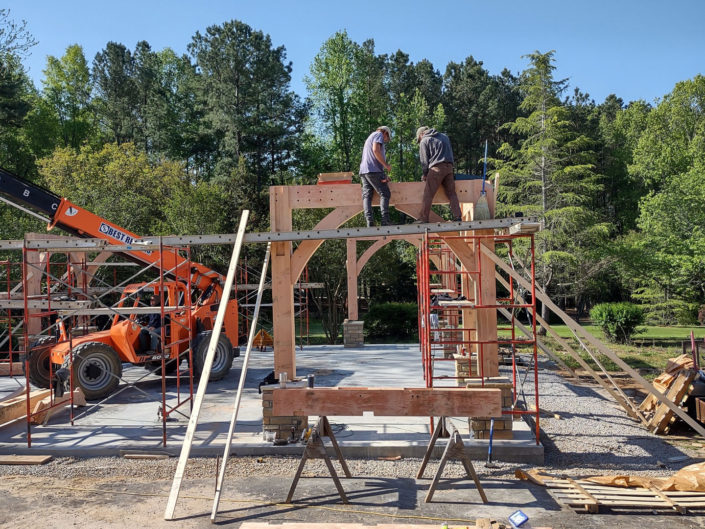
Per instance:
(619,129)
(331,84)
(669,271)
(551,174)
(116,182)
(17,100)
(414,98)
(663,257)
(248,107)
(468,94)
(673,138)
(116,92)
(67,89)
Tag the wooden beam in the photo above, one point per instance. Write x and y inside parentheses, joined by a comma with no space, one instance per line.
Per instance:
(388,402)
(307,248)
(527,332)
(24,459)
(16,367)
(206,371)
(615,391)
(602,348)
(312,196)
(16,408)
(45,408)
(486,294)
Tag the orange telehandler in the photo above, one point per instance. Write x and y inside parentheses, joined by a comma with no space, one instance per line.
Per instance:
(96,362)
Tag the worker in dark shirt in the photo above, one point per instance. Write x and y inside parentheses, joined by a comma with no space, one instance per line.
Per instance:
(436,155)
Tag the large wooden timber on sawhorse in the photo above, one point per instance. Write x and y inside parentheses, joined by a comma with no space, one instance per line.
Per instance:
(419,402)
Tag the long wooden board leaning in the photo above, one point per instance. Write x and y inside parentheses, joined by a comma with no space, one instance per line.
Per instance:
(389,402)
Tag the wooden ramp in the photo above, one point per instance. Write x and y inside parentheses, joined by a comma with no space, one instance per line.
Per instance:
(584,495)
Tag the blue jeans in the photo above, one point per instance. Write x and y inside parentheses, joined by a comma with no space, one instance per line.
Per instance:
(372,182)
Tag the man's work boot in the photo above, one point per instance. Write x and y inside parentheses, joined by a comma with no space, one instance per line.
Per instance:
(420,221)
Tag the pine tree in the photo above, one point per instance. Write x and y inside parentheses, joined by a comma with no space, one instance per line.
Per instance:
(551,175)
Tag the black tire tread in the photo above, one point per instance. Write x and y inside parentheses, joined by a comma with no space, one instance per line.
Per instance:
(82,350)
(39,376)
(199,355)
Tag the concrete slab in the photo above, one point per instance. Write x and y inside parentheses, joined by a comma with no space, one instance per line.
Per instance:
(130,419)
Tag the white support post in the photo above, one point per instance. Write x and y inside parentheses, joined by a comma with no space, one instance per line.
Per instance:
(241,385)
(208,364)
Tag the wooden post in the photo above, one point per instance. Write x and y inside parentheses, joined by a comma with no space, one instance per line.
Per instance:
(487,318)
(282,286)
(351,265)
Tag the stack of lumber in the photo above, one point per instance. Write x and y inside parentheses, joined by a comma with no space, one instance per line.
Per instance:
(41,405)
(16,368)
(676,383)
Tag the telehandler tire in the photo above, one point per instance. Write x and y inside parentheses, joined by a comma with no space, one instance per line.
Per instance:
(171,367)
(222,361)
(39,360)
(96,369)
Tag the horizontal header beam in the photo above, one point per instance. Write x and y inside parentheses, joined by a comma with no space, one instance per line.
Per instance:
(388,402)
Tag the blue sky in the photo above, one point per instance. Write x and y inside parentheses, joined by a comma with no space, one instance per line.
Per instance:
(634,49)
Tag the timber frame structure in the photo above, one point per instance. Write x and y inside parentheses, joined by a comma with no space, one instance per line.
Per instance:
(288,263)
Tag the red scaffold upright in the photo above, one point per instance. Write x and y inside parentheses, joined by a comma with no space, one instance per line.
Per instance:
(455,299)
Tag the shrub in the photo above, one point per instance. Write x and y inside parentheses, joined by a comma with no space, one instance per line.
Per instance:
(392,320)
(617,320)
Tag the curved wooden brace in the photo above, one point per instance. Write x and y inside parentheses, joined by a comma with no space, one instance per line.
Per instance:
(461,249)
(379,244)
(306,249)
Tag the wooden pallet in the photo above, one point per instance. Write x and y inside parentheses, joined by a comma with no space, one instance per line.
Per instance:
(677,393)
(581,494)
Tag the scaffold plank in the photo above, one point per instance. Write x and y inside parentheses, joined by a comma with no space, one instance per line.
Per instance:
(18,304)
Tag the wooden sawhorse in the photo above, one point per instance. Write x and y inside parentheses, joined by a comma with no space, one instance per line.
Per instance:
(455,449)
(315,449)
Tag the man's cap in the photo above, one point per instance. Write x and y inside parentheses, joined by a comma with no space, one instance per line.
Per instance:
(420,132)
(386,129)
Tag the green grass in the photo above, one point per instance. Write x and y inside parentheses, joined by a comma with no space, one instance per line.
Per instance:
(648,353)
(647,332)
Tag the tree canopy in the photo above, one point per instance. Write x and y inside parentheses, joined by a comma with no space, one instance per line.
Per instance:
(162,143)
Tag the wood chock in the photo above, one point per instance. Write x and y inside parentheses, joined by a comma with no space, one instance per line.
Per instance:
(455,449)
(315,449)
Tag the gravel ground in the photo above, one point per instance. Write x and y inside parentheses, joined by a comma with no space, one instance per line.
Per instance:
(584,433)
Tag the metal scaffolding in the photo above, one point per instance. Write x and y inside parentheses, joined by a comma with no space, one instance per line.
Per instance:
(53,297)
(450,297)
